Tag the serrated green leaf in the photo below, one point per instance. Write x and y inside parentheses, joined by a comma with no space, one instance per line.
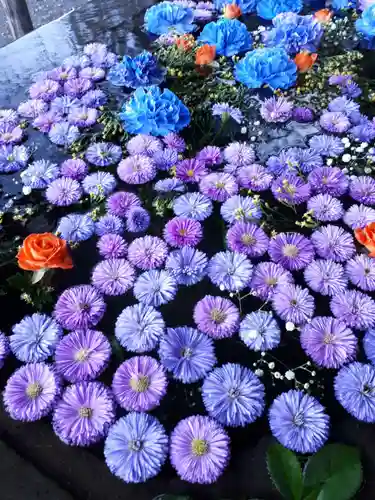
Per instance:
(334,473)
(285,471)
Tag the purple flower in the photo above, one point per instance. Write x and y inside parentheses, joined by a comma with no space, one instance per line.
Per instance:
(187,265)
(109,224)
(293,303)
(230,271)
(254,177)
(326,277)
(218,186)
(45,90)
(84,414)
(299,422)
(77,87)
(233,395)
(225,111)
(155,288)
(191,170)
(239,153)
(362,189)
(82,355)
(194,205)
(139,384)
(137,169)
(290,189)
(9,116)
(328,341)
(343,105)
(361,272)
(63,134)
(355,390)
(174,141)
(165,159)
(329,180)
(94,98)
(247,238)
(216,316)
(284,163)
(45,121)
(180,232)
(145,145)
(31,392)
(95,48)
(266,277)
(187,353)
(148,252)
(4,348)
(276,110)
(79,307)
(210,155)
(64,104)
(76,227)
(99,183)
(259,331)
(13,158)
(240,208)
(359,216)
(112,246)
(332,242)
(139,328)
(137,220)
(199,449)
(32,108)
(10,134)
(292,250)
(62,73)
(74,168)
(369,344)
(35,338)
(364,132)
(169,185)
(63,192)
(136,447)
(303,115)
(40,174)
(327,145)
(113,276)
(355,308)
(83,116)
(121,202)
(92,73)
(334,122)
(77,61)
(325,208)
(103,154)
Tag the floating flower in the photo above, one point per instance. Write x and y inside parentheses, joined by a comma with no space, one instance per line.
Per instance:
(137,220)
(210,155)
(83,116)
(112,246)
(326,277)
(138,71)
(45,121)
(99,183)
(325,208)
(44,251)
(216,316)
(229,37)
(362,189)
(292,250)
(63,134)
(45,90)
(194,205)
(334,122)
(103,154)
(63,192)
(181,231)
(40,174)
(329,180)
(218,186)
(305,61)
(13,158)
(276,110)
(359,217)
(32,108)
(166,16)
(240,209)
(327,145)
(259,331)
(77,87)
(174,141)
(74,168)
(303,114)
(148,252)
(355,308)
(225,111)
(230,271)
(169,185)
(191,170)
(137,169)
(109,224)
(205,54)
(332,242)
(290,189)
(240,154)
(247,238)
(266,277)
(121,202)
(76,227)
(155,288)
(187,265)
(293,303)
(113,276)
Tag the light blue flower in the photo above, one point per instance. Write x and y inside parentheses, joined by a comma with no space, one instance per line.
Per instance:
(163,17)
(266,66)
(40,174)
(153,111)
(63,133)
(193,205)
(138,71)
(76,227)
(259,331)
(230,37)
(365,25)
(343,4)
(13,158)
(268,9)
(246,6)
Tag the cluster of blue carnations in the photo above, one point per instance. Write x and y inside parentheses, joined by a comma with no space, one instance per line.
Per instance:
(64,353)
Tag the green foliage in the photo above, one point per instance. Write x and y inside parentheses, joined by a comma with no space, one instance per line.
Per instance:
(39,295)
(171,497)
(285,471)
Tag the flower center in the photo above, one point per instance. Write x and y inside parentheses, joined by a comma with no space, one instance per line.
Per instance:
(367,389)
(218,316)
(34,390)
(324,180)
(7,136)
(239,213)
(248,239)
(187,352)
(290,250)
(84,306)
(182,232)
(328,338)
(367,271)
(220,185)
(298,419)
(271,281)
(234,393)
(190,173)
(81,355)
(199,447)
(140,384)
(135,445)
(85,412)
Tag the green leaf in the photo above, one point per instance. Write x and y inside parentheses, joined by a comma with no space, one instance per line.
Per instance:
(285,471)
(171,497)
(334,473)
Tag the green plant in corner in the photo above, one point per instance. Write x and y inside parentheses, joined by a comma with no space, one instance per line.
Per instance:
(333,473)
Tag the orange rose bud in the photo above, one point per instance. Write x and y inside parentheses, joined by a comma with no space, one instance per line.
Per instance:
(44,251)
(305,61)
(323,16)
(185,42)
(205,55)
(232,11)
(366,237)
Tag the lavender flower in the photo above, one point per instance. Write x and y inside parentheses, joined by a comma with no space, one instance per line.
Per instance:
(165,159)
(13,158)
(210,155)
(109,224)
(148,252)
(254,177)
(9,116)
(369,344)
(364,131)
(362,189)
(63,134)
(329,180)
(266,277)
(174,141)
(143,144)
(293,303)
(79,307)
(113,276)
(137,220)
(180,232)
(240,208)
(4,348)
(92,73)
(218,186)
(292,250)
(276,110)
(216,316)
(334,122)
(112,246)
(239,153)
(155,288)
(230,271)
(63,192)
(290,189)
(40,174)
(94,98)
(139,384)
(326,277)
(62,73)
(247,238)
(224,111)
(82,355)
(259,331)
(191,170)
(137,169)
(195,206)
(103,154)
(76,227)
(303,114)
(343,105)
(62,105)
(139,328)
(169,185)
(83,116)
(327,145)
(299,422)
(99,183)
(361,272)
(187,265)
(45,90)
(77,87)
(359,216)
(332,242)
(199,449)
(45,122)
(121,202)
(32,108)
(355,308)
(187,353)
(325,208)
(74,168)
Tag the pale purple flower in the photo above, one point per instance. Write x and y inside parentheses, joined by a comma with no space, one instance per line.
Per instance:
(45,121)
(191,170)
(113,276)
(83,116)
(137,169)
(94,98)
(75,168)
(361,272)
(230,271)
(254,177)
(334,122)
(355,308)
(45,90)
(109,224)
(4,348)
(325,208)
(266,277)
(362,189)
(326,277)
(327,145)
(63,192)
(9,116)
(259,331)
(210,155)
(76,227)
(247,238)
(10,134)
(330,180)
(62,73)
(165,159)
(292,250)
(303,114)
(92,73)
(63,134)
(276,110)
(13,158)
(143,144)
(103,154)
(32,108)
(218,317)
(293,303)
(64,104)
(40,174)
(174,141)
(240,208)
(148,252)
(359,216)
(239,153)
(77,87)
(155,288)
(332,242)
(290,189)
(225,111)
(193,206)
(137,220)
(99,183)
(344,105)
(112,246)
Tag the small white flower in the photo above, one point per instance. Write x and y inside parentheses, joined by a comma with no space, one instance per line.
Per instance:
(290,326)
(345,170)
(243,130)
(329,161)
(253,138)
(313,374)
(258,372)
(222,288)
(345,140)
(277,375)
(257,123)
(231,294)
(346,158)
(262,354)
(289,375)
(368,170)
(26,190)
(364,145)
(306,386)
(271,365)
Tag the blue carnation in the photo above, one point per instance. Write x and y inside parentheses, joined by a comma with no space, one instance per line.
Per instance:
(138,71)
(295,33)
(268,9)
(266,66)
(229,37)
(163,17)
(153,111)
(246,6)
(365,25)
(343,4)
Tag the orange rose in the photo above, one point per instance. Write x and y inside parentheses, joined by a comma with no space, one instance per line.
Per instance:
(185,42)
(231,11)
(205,55)
(44,251)
(304,61)
(366,237)
(323,16)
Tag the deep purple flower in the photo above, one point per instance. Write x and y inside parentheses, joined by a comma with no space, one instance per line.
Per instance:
(31,392)
(139,384)
(329,180)
(84,414)
(63,134)
(332,242)
(137,220)
(362,189)
(165,159)
(210,155)
(187,265)
(266,277)
(187,353)
(174,141)
(137,169)
(299,422)
(247,238)
(239,153)
(79,307)
(191,170)
(99,183)
(218,186)
(325,208)
(155,288)
(259,331)
(326,277)
(145,145)
(361,272)
(32,108)
(254,177)
(225,111)
(112,246)
(230,271)
(359,216)
(83,116)
(276,109)
(13,158)
(199,449)
(82,355)
(290,189)
(45,121)
(45,90)
(292,250)
(303,115)
(77,87)
(113,276)
(334,122)
(10,134)
(109,224)
(181,231)
(63,192)
(293,303)
(74,168)
(355,308)
(76,227)
(119,203)
(355,390)
(103,154)
(327,145)
(4,348)
(148,252)
(218,317)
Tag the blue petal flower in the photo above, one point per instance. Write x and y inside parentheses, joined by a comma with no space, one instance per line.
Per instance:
(138,71)
(246,6)
(163,17)
(229,37)
(268,9)
(365,25)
